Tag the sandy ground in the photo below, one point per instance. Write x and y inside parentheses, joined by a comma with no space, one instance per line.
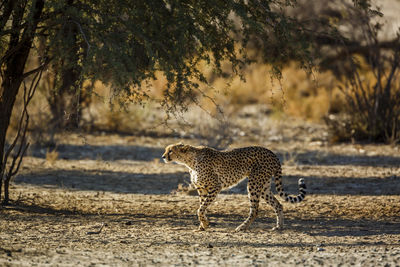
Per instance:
(118,184)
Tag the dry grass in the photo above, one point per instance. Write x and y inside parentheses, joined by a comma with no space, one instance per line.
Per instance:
(298,94)
(51,156)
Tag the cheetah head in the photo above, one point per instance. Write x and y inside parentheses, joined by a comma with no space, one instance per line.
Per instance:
(175,153)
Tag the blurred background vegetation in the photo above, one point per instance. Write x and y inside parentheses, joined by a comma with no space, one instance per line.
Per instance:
(160,67)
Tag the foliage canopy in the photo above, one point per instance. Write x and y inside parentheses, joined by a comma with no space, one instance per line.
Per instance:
(124,43)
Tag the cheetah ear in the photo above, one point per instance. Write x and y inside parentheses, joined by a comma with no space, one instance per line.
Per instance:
(184,148)
(180,145)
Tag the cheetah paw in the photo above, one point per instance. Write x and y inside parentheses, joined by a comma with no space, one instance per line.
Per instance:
(200,229)
(203,226)
(241,228)
(277,228)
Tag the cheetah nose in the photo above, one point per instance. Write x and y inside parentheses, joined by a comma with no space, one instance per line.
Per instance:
(163,156)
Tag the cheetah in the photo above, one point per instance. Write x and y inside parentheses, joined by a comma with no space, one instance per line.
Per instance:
(212,171)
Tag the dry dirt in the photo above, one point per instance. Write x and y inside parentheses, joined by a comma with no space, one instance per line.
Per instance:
(108,200)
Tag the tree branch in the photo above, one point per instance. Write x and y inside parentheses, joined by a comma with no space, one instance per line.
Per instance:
(38,69)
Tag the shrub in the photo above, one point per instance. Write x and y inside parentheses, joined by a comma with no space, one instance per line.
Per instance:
(372,101)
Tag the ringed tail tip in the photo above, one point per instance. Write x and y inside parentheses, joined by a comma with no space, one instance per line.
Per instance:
(302,184)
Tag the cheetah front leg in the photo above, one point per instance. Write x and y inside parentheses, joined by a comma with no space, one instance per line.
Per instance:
(206,198)
(202,198)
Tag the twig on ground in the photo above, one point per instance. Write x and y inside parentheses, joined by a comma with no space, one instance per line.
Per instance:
(98,231)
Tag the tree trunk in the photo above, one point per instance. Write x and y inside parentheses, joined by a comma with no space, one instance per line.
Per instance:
(65,98)
(10,86)
(14,65)
(6,192)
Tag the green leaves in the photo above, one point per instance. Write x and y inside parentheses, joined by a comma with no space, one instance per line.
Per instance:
(124,43)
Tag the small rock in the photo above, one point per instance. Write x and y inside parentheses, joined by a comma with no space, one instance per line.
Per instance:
(129,223)
(320,249)
(210,246)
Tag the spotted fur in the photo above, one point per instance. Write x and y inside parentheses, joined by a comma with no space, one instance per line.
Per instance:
(212,171)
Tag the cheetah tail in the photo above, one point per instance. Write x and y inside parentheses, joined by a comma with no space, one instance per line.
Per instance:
(283,194)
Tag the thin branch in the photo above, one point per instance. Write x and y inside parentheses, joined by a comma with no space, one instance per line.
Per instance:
(351,48)
(38,69)
(395,66)
(20,159)
(83,34)
(17,158)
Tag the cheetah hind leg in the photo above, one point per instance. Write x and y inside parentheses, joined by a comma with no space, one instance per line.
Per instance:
(254,198)
(271,200)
